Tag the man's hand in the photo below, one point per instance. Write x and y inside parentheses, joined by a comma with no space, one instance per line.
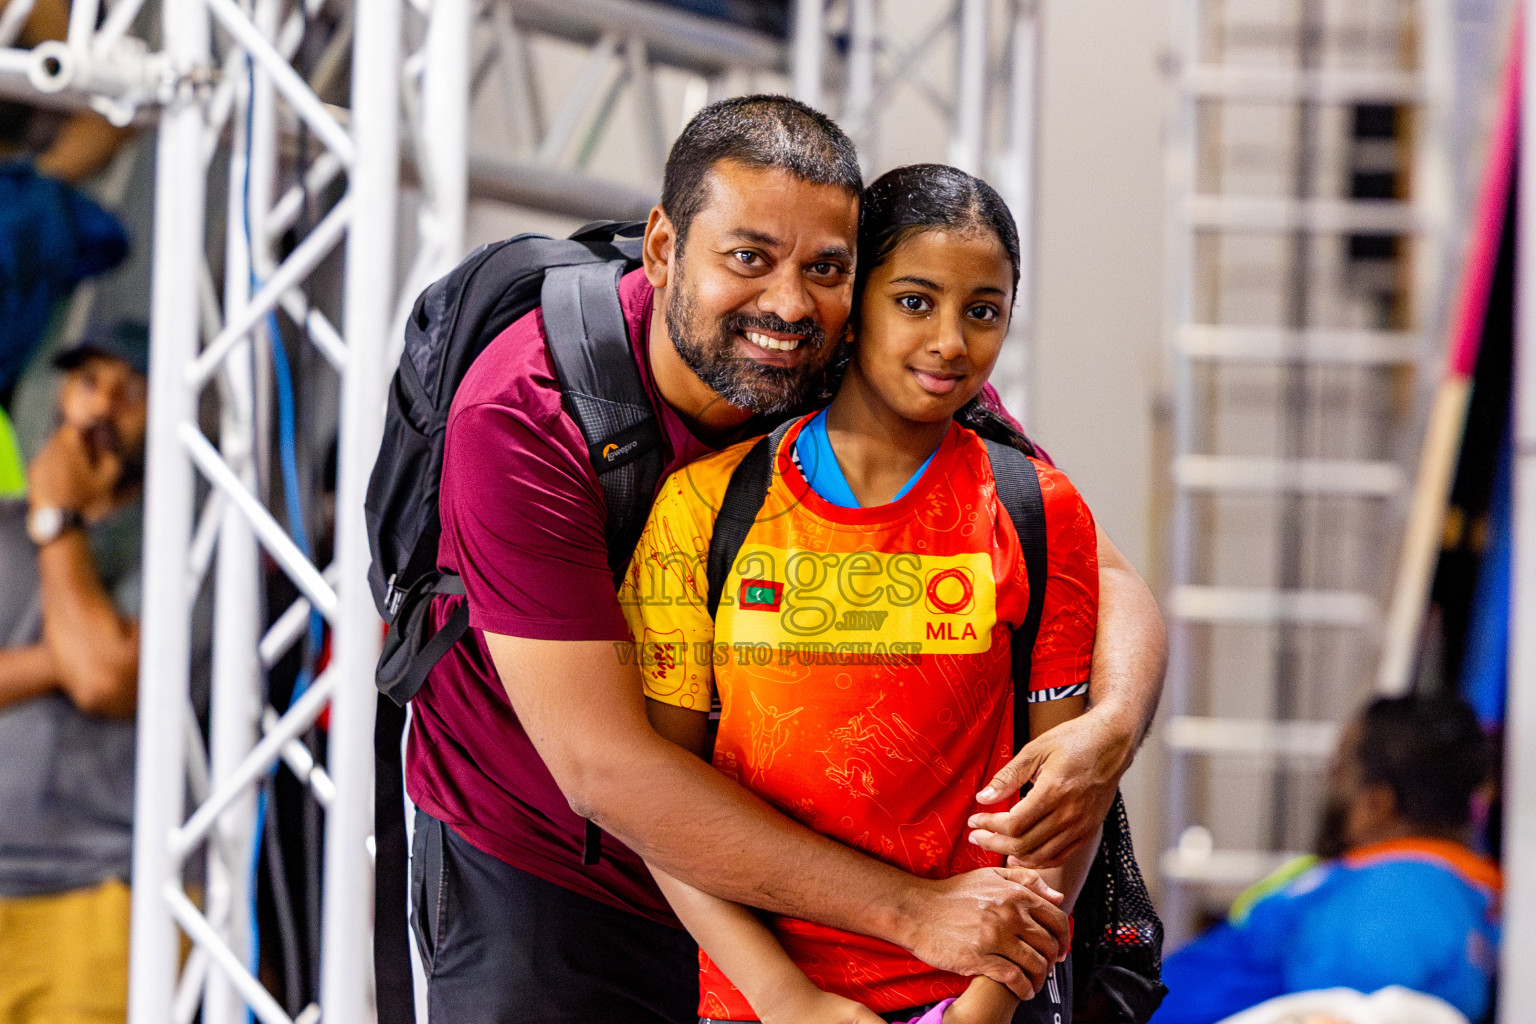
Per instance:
(1074,770)
(71,473)
(1005,923)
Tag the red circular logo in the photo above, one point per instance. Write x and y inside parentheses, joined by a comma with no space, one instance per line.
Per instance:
(967,591)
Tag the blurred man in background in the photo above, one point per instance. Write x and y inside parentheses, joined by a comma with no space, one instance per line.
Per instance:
(68,688)
(1399,898)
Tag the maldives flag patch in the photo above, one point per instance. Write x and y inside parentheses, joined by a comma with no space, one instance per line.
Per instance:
(760,595)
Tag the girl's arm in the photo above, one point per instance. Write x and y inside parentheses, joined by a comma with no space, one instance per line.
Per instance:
(985,1001)
(749,954)
(735,938)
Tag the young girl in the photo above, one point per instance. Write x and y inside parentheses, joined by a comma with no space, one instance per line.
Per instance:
(860,651)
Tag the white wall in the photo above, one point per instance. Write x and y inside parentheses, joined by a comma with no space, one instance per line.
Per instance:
(1099,249)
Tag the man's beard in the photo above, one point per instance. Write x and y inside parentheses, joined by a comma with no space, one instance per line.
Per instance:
(709,349)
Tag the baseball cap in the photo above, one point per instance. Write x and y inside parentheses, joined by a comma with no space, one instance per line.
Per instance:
(127,340)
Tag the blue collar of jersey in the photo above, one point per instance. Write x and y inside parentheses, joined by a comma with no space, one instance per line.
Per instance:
(818,463)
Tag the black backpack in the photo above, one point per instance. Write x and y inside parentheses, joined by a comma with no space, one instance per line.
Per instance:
(575,282)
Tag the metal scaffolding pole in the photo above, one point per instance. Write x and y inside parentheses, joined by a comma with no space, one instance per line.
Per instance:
(1015,178)
(445,90)
(440,133)
(1178,902)
(246,737)
(859,94)
(967,149)
(346,974)
(165,645)
(810,35)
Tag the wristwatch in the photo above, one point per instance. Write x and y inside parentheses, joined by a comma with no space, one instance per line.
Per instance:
(47,523)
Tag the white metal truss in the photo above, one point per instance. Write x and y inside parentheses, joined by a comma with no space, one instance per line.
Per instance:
(1286,479)
(248,93)
(544,157)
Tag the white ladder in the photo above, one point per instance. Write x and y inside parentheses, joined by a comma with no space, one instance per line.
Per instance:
(1289,353)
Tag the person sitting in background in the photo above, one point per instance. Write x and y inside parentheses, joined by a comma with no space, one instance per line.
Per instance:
(1399,898)
(68,689)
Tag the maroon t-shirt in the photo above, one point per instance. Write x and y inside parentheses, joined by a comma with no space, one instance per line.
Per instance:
(523,518)
(523,526)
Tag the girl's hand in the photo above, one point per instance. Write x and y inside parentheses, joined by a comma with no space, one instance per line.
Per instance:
(817,1007)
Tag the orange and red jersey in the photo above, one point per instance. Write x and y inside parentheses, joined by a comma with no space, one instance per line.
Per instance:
(861,658)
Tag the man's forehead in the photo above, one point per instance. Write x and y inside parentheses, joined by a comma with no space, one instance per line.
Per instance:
(770,205)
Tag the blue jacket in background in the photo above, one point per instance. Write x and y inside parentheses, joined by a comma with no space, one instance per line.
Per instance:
(52,237)
(1421,913)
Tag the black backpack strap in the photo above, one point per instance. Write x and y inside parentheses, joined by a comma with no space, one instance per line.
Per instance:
(396,993)
(590,348)
(589,345)
(407,669)
(412,646)
(738,509)
(1117,939)
(1018,488)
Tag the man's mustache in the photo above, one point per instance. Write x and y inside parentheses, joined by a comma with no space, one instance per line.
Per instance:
(810,332)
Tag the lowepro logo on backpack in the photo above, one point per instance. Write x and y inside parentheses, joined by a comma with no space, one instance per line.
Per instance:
(623,446)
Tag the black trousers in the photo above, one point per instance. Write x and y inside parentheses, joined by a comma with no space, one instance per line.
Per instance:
(501,946)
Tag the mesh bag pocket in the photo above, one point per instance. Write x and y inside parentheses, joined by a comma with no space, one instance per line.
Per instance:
(1117,945)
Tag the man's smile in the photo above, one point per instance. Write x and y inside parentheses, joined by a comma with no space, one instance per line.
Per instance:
(773,342)
(773,348)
